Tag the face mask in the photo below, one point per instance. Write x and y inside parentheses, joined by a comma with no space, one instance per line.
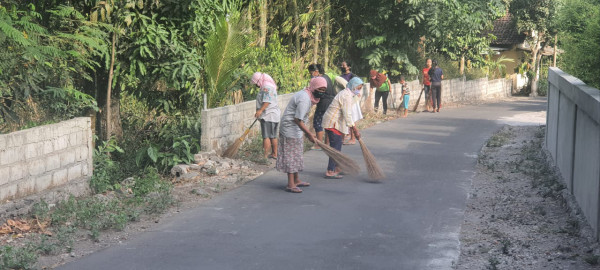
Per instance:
(343,69)
(356,91)
(318,94)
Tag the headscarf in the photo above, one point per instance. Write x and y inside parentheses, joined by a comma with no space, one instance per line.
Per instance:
(353,83)
(340,83)
(315,83)
(379,78)
(263,79)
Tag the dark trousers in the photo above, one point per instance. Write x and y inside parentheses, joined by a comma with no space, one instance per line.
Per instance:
(335,141)
(378,96)
(436,95)
(427,90)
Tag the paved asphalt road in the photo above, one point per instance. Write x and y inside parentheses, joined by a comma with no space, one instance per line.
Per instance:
(410,221)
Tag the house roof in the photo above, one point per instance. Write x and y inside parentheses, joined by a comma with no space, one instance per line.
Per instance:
(506,33)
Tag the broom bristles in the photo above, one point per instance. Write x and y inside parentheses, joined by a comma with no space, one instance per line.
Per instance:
(375,172)
(233,149)
(346,164)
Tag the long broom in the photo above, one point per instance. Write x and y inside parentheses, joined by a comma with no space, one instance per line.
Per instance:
(346,164)
(233,149)
(375,172)
(419,99)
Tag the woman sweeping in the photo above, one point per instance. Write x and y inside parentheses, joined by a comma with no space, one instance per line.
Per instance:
(338,121)
(292,126)
(267,112)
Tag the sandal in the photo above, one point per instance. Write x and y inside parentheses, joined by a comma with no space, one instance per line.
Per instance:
(293,190)
(316,148)
(350,143)
(303,184)
(272,157)
(335,176)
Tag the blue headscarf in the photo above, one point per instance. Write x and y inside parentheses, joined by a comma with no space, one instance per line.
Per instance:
(353,83)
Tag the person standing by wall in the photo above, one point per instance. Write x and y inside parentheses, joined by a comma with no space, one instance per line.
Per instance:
(346,67)
(405,95)
(267,112)
(383,85)
(316,70)
(291,145)
(427,84)
(338,122)
(436,74)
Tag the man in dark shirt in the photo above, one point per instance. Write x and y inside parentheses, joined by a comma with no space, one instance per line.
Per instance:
(436,74)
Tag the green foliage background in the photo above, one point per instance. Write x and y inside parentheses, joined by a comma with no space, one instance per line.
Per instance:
(56,59)
(172,56)
(579,37)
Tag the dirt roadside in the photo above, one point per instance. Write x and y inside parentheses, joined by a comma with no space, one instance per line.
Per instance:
(519,214)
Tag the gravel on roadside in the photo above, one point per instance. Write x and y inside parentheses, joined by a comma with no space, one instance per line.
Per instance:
(519,213)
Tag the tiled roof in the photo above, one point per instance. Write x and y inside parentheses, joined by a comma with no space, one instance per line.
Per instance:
(506,32)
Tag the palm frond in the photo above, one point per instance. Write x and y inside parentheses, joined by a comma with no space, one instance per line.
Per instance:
(225,50)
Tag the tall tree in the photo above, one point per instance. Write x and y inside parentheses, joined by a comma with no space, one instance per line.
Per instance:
(295,28)
(385,34)
(457,27)
(262,40)
(536,19)
(327,34)
(318,19)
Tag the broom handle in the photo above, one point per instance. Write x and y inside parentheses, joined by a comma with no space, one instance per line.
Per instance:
(419,99)
(248,130)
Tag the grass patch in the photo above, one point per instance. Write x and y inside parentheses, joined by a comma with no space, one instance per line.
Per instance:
(500,138)
(253,151)
(148,194)
(592,259)
(506,244)
(18,257)
(493,263)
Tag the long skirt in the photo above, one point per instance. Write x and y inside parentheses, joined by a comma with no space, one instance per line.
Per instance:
(290,155)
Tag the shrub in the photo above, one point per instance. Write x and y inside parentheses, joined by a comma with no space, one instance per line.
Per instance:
(276,61)
(107,173)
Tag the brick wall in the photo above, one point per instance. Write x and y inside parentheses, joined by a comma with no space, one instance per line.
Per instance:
(42,158)
(221,126)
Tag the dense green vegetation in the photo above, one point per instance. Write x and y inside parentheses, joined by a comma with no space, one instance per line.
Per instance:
(144,69)
(579,36)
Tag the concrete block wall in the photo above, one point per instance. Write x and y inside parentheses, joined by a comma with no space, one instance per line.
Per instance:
(456,91)
(42,158)
(573,139)
(221,126)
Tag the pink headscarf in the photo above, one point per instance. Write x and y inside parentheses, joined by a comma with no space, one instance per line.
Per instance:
(315,83)
(263,79)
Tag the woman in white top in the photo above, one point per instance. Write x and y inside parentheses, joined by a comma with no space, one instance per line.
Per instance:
(267,112)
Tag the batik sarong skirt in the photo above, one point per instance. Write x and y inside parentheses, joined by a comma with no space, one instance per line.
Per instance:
(289,156)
